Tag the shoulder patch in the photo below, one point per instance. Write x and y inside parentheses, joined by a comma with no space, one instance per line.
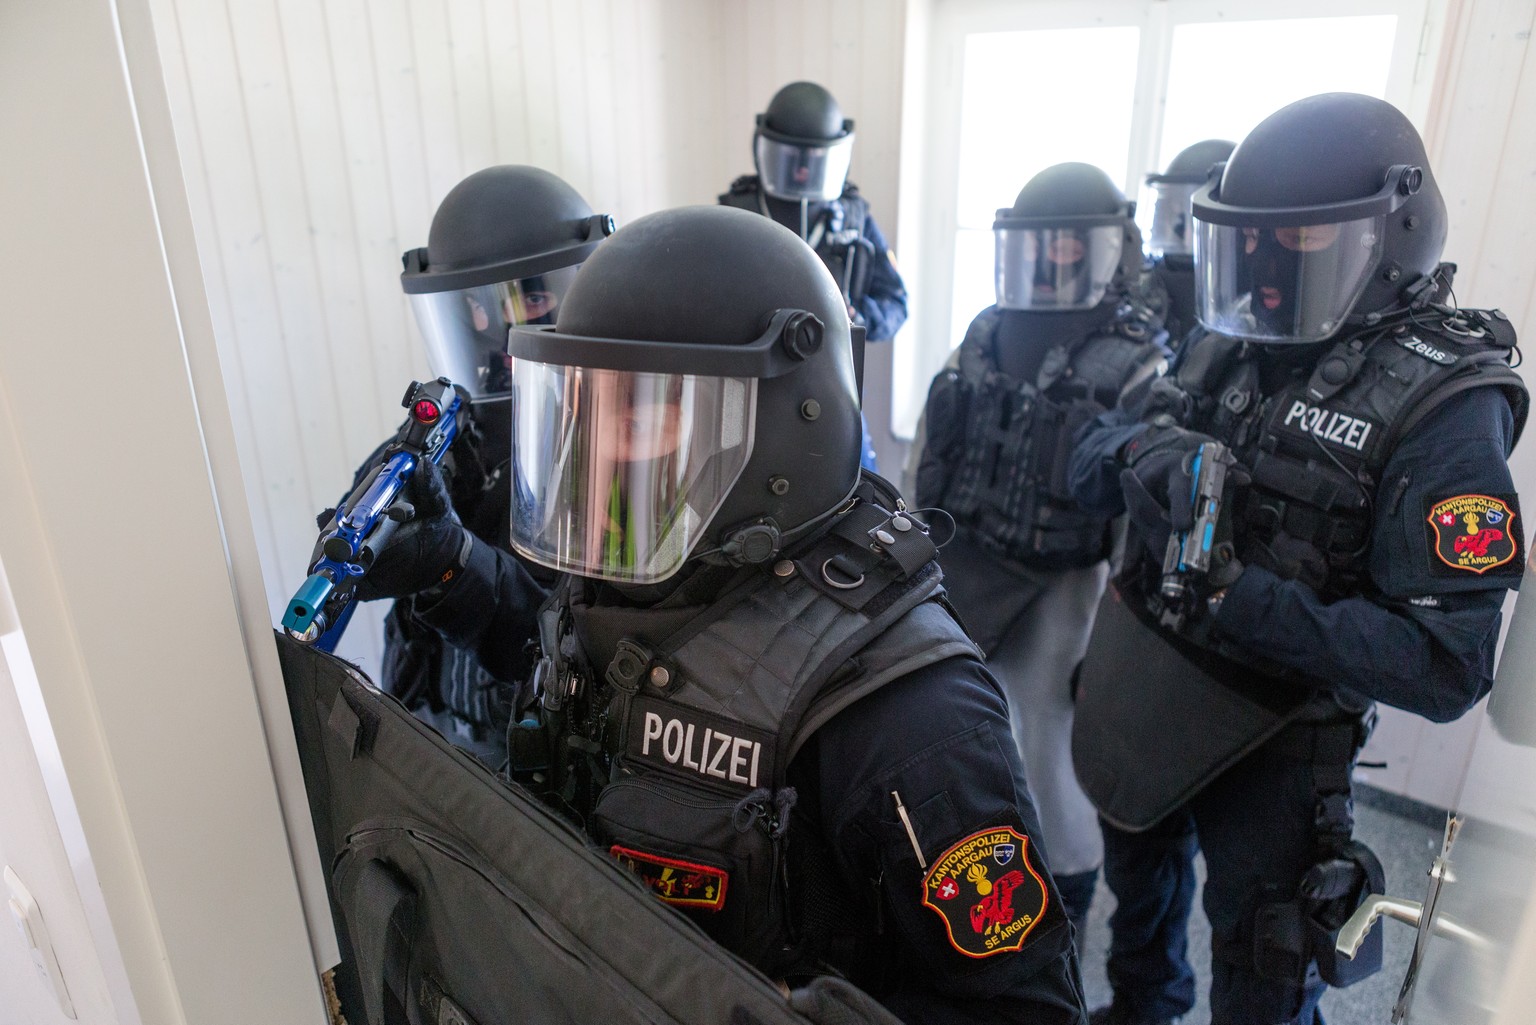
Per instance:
(1473,534)
(684,884)
(987,892)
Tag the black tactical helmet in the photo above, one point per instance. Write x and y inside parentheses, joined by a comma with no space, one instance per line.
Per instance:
(1163,212)
(504,246)
(1325,213)
(696,395)
(1064,241)
(802,145)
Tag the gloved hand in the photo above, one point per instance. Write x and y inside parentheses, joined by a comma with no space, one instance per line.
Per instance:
(828,1000)
(426,550)
(1157,481)
(1290,558)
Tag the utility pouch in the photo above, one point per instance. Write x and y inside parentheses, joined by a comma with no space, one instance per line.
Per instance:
(1281,946)
(712,856)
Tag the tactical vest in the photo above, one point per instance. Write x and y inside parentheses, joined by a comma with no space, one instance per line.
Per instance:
(1318,446)
(836,233)
(689,740)
(1009,491)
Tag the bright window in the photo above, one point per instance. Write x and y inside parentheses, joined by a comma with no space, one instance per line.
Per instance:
(1122,84)
(1022,108)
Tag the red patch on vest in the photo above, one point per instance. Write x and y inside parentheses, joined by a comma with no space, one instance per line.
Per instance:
(1474,533)
(986,891)
(686,884)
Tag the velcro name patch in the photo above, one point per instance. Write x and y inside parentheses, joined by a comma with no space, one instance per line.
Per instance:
(1474,534)
(987,892)
(1433,353)
(695,743)
(686,884)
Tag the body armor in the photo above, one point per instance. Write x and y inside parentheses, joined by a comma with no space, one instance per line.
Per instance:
(683,744)
(1316,443)
(836,233)
(1009,490)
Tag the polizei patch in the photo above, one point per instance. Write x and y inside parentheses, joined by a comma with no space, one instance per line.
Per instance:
(687,884)
(989,895)
(1474,534)
(1351,433)
(698,744)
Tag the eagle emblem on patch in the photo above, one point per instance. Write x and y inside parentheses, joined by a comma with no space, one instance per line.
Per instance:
(1474,533)
(684,884)
(987,892)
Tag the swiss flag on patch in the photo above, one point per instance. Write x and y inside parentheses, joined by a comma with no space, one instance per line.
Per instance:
(949,890)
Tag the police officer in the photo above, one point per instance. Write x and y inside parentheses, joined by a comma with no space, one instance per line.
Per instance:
(801,149)
(1366,535)
(504,247)
(1027,565)
(1168,239)
(750,691)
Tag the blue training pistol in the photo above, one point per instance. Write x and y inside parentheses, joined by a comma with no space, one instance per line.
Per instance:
(318,611)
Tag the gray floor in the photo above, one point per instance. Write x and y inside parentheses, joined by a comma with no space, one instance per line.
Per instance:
(1404,835)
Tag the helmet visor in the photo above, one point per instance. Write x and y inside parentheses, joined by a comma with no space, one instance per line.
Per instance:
(1277,284)
(1056,268)
(617,474)
(466,329)
(817,173)
(1163,215)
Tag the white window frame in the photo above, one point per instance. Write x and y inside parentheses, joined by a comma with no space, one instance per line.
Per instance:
(930,171)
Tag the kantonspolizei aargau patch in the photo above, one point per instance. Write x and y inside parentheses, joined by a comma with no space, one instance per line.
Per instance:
(1474,534)
(989,895)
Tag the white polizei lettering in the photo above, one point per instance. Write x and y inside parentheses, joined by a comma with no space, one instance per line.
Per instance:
(715,769)
(1336,432)
(672,741)
(1363,435)
(757,749)
(652,732)
(1329,425)
(1356,436)
(688,748)
(1297,409)
(739,759)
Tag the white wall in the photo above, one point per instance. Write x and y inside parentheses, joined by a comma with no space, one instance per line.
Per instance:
(126,545)
(317,139)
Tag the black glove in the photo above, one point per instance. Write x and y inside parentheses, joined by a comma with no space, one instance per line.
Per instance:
(828,1000)
(1157,480)
(427,550)
(1290,558)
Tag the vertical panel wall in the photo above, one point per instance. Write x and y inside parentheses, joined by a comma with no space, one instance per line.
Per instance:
(317,137)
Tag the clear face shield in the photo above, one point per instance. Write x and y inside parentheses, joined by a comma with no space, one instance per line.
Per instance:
(1163,215)
(790,171)
(1290,274)
(1055,268)
(617,474)
(466,329)
(1293,284)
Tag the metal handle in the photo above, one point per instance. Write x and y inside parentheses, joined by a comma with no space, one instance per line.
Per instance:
(1359,925)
